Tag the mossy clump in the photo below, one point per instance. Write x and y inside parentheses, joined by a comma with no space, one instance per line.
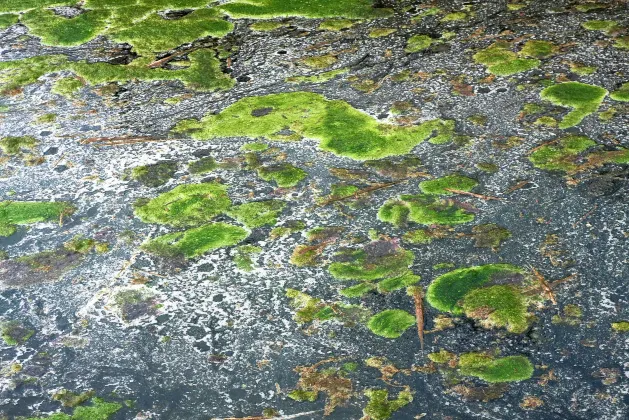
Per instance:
(498,306)
(197,241)
(336,24)
(442,357)
(317,78)
(269,9)
(82,245)
(501,61)
(443,185)
(326,379)
(310,309)
(13,213)
(14,333)
(621,94)
(319,61)
(67,86)
(135,302)
(571,315)
(154,175)
(203,165)
(8,19)
(492,370)
(621,326)
(537,49)
(380,407)
(186,205)
(13,146)
(381,32)
(71,399)
(600,25)
(288,228)
(301,395)
(244,257)
(446,291)
(454,17)
(391,323)
(425,210)
(418,43)
(98,410)
(583,98)
(257,213)
(562,155)
(283,174)
(340,128)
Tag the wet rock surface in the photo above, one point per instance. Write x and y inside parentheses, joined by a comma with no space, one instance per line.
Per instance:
(315,304)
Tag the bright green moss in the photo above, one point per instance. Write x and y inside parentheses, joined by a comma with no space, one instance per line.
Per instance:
(339,192)
(358,290)
(14,213)
(367,268)
(561,155)
(454,17)
(61,31)
(154,33)
(445,292)
(621,94)
(622,42)
(381,32)
(154,175)
(336,24)
(15,145)
(418,43)
(84,245)
(99,410)
(301,395)
(380,407)
(284,175)
(423,209)
(537,49)
(254,147)
(257,213)
(440,186)
(621,326)
(244,256)
(582,70)
(340,128)
(503,62)
(268,9)
(46,119)
(197,241)
(317,78)
(391,323)
(600,25)
(395,283)
(308,308)
(546,121)
(419,236)
(186,205)
(203,73)
(7,20)
(505,369)
(584,99)
(14,333)
(498,306)
(441,357)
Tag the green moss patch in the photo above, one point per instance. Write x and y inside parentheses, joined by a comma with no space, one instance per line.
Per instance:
(621,326)
(283,174)
(381,32)
(600,25)
(380,407)
(98,410)
(562,155)
(310,309)
(489,235)
(186,205)
(202,73)
(418,43)
(445,292)
(621,94)
(584,99)
(268,9)
(440,186)
(71,399)
(317,78)
(391,323)
(498,306)
(244,257)
(13,146)
(501,61)
(425,210)
(197,241)
(7,19)
(14,213)
(489,369)
(257,213)
(14,333)
(340,128)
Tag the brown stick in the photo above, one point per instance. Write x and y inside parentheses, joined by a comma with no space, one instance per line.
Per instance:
(158,63)
(366,190)
(482,197)
(544,284)
(517,186)
(418,298)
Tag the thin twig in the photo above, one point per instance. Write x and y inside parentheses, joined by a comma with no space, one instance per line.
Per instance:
(158,63)
(585,216)
(544,284)
(418,298)
(119,141)
(471,194)
(518,186)
(364,191)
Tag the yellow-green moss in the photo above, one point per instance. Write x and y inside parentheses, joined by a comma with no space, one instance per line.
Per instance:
(621,326)
(498,306)
(380,407)
(423,209)
(441,185)
(562,155)
(154,175)
(14,213)
(391,323)
(340,128)
(268,9)
(489,369)
(621,94)
(418,43)
(583,98)
(14,333)
(16,145)
(257,213)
